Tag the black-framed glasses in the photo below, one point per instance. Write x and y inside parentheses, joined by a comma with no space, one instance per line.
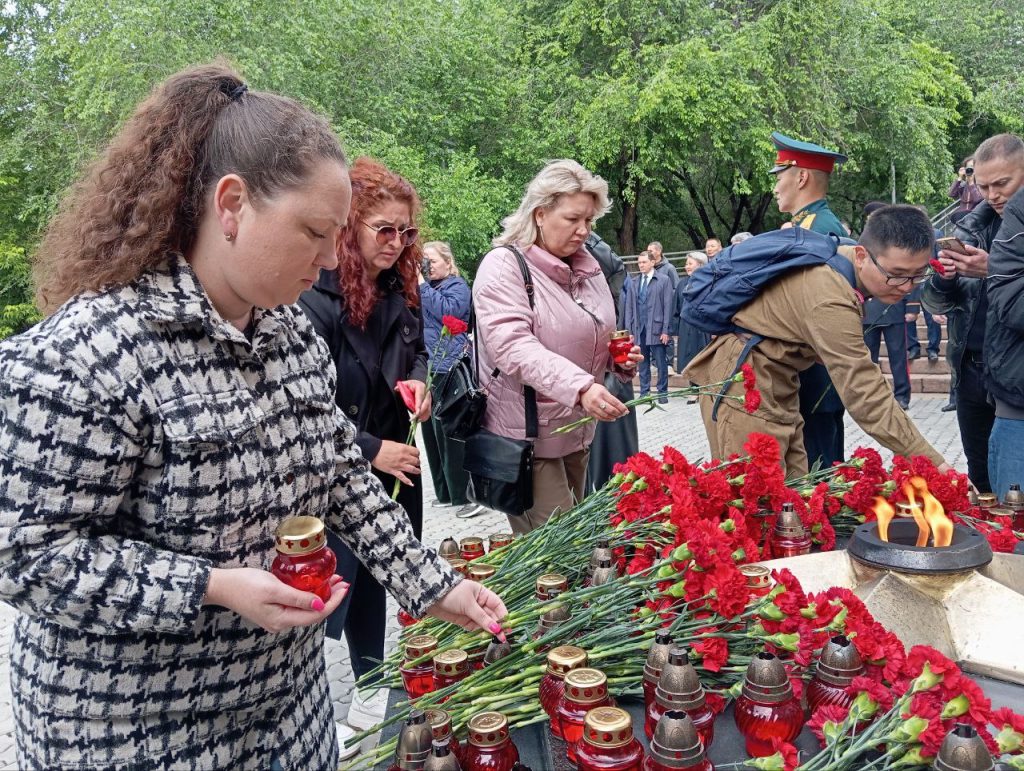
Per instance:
(386,233)
(892,280)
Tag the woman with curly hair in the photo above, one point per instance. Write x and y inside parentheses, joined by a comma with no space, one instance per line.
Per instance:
(160,424)
(367,311)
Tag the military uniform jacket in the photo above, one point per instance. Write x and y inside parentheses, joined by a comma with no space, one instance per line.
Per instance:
(144,441)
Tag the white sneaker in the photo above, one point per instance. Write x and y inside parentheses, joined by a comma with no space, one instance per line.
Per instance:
(367,708)
(344,734)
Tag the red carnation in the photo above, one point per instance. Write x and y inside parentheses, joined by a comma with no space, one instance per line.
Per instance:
(714,651)
(407,394)
(751,396)
(790,756)
(827,713)
(938,267)
(454,325)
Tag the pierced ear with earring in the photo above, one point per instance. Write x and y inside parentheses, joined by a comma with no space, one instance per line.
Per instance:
(229,237)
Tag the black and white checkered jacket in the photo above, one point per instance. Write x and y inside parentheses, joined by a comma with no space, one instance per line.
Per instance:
(143,441)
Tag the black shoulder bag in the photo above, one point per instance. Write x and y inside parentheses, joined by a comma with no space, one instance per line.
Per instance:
(459,402)
(501,469)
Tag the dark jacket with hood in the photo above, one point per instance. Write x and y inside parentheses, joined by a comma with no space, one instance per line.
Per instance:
(1004,337)
(960,298)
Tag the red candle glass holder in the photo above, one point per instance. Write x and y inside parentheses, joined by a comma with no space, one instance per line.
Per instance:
(838,664)
(550,582)
(404,619)
(608,743)
(759,580)
(585,689)
(561,661)
(490,748)
(418,679)
(767,709)
(441,727)
(303,560)
(449,668)
(676,746)
(657,657)
(480,572)
(620,345)
(497,540)
(471,548)
(790,538)
(460,566)
(680,689)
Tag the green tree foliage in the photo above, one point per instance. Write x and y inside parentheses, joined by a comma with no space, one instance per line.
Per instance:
(672,101)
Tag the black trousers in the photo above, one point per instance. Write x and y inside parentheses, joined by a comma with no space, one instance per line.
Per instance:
(975,416)
(362,615)
(444,456)
(896,346)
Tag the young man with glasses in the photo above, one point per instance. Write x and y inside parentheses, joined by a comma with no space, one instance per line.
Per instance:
(810,315)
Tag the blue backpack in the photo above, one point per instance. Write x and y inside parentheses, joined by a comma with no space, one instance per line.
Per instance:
(716,292)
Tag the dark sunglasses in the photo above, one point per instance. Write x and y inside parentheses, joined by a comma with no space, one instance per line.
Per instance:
(386,233)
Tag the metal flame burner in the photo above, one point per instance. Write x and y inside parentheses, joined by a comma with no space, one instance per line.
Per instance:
(968,551)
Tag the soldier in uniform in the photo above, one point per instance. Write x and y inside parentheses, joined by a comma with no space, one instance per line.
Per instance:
(802,172)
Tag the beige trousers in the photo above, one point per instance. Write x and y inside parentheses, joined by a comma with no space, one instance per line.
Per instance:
(558,485)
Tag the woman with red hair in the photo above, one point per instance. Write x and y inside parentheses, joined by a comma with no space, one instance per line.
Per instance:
(367,311)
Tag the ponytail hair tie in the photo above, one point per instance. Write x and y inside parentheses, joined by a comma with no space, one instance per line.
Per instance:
(234,94)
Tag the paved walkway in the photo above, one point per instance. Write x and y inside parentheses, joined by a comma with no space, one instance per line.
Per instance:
(677,424)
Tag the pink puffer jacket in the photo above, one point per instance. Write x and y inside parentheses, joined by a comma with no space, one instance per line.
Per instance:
(560,347)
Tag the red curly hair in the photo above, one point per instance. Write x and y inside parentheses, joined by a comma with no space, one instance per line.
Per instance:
(373,184)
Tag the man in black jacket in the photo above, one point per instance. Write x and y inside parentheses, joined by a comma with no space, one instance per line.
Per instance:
(1004,348)
(960,293)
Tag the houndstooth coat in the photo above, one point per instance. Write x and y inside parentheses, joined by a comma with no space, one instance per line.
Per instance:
(144,441)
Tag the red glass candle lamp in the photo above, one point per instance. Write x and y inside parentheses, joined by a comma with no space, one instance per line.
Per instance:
(759,580)
(679,689)
(418,678)
(498,540)
(481,572)
(449,668)
(608,743)
(619,346)
(561,661)
(414,742)
(449,549)
(303,560)
(404,619)
(460,566)
(471,548)
(602,551)
(554,615)
(441,728)
(490,747)
(838,664)
(766,708)
(585,689)
(790,538)
(442,758)
(676,745)
(657,657)
(550,582)
(1014,501)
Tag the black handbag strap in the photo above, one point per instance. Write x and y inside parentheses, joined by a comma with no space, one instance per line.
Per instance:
(530,396)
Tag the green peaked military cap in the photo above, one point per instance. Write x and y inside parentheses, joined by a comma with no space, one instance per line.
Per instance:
(806,155)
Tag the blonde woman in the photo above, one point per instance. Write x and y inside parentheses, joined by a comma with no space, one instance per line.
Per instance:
(559,347)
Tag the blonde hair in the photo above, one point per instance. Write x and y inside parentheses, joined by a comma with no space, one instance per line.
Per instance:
(444,249)
(556,179)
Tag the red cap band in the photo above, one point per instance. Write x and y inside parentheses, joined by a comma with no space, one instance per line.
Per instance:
(805,160)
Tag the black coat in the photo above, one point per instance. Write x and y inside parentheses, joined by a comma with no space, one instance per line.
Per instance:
(1004,335)
(365,368)
(960,297)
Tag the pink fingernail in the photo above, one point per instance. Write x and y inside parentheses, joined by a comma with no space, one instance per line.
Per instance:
(317,604)
(494,628)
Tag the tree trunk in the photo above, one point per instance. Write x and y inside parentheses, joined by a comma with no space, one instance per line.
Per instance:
(630,216)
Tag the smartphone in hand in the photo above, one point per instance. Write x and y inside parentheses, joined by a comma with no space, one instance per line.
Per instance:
(951,244)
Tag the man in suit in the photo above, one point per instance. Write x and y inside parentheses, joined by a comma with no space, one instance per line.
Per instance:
(647,305)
